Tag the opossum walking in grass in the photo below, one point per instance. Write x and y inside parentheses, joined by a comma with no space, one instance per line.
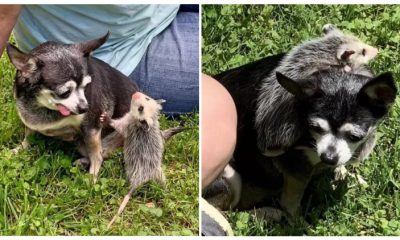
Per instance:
(143,143)
(277,122)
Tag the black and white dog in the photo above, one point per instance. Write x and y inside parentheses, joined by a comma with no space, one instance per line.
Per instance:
(61,91)
(338,112)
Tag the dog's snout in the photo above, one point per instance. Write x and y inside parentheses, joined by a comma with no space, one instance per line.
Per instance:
(82,107)
(330,158)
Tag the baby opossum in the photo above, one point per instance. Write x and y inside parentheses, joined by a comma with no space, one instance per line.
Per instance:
(143,143)
(276,122)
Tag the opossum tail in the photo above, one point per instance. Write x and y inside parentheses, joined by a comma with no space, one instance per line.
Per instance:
(168,133)
(122,206)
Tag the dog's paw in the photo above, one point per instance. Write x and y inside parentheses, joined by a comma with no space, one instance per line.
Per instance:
(17,149)
(82,163)
(23,146)
(104,118)
(361,181)
(340,173)
(268,214)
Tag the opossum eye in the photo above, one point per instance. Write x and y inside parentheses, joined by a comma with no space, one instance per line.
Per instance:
(140,109)
(364,52)
(148,99)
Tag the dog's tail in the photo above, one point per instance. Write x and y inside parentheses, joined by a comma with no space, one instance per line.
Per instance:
(168,133)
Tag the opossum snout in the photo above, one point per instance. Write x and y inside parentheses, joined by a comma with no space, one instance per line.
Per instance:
(145,125)
(136,95)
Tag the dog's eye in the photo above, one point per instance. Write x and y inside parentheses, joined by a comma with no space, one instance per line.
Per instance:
(317,129)
(140,109)
(65,94)
(148,99)
(364,52)
(353,138)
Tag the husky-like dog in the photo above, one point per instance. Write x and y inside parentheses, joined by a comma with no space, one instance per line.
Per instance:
(335,49)
(61,90)
(338,112)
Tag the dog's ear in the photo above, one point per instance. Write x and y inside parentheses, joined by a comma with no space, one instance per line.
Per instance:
(89,46)
(380,91)
(22,61)
(301,89)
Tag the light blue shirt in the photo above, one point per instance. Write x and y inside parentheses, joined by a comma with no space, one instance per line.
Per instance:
(132,28)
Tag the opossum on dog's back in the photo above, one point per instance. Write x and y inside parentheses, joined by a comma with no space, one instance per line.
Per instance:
(143,143)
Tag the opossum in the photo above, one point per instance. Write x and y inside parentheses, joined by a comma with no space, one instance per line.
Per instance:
(276,121)
(143,143)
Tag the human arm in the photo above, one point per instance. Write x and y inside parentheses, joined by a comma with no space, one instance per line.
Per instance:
(8,17)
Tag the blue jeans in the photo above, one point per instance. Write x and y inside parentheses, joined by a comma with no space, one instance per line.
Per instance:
(170,68)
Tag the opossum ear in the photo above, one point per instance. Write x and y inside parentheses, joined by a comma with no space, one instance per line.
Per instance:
(301,89)
(23,62)
(160,101)
(327,28)
(89,46)
(345,54)
(380,91)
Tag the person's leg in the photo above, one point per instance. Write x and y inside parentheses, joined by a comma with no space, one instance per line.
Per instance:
(218,129)
(170,68)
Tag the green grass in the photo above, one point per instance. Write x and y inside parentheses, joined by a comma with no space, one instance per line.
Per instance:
(235,35)
(42,193)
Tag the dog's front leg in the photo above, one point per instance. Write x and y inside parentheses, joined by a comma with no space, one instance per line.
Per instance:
(292,193)
(94,150)
(24,143)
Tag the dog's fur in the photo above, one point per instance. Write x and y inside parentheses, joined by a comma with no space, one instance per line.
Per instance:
(338,110)
(61,90)
(278,128)
(143,143)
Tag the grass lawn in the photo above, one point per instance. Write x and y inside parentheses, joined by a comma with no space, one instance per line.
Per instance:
(235,35)
(42,193)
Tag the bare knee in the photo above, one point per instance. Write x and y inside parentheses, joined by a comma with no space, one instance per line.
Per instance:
(219,123)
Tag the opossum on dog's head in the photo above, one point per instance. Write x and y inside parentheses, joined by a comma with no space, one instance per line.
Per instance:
(277,122)
(143,143)
(353,53)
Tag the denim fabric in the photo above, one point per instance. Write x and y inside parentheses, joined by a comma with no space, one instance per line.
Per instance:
(132,28)
(170,68)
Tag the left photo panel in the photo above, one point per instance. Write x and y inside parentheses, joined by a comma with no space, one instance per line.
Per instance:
(99,127)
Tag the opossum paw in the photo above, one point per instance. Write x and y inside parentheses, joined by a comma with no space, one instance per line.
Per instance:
(347,68)
(104,118)
(83,163)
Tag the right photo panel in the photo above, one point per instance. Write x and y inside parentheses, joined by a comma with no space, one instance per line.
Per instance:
(300,120)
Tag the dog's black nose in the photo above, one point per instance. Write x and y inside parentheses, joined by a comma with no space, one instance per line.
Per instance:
(82,109)
(329,158)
